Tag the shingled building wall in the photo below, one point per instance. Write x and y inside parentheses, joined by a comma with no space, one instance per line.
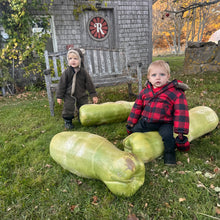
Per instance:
(132,20)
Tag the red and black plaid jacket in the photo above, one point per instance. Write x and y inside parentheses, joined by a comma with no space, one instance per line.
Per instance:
(168,105)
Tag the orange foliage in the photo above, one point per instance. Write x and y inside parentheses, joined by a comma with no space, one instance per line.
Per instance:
(164,26)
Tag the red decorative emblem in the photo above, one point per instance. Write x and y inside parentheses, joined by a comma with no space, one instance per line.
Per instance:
(98,28)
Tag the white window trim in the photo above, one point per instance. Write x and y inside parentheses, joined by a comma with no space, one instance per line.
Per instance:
(53,31)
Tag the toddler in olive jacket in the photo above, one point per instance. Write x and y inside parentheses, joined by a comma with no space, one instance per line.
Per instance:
(73,86)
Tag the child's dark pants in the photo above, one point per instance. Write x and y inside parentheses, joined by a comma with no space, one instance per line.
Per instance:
(69,106)
(166,132)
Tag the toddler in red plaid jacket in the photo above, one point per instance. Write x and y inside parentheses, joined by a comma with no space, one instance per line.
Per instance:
(162,106)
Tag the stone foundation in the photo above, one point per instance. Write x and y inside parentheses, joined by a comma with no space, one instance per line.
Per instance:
(202,57)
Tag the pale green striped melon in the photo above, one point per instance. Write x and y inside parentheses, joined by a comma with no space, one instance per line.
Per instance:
(89,155)
(105,113)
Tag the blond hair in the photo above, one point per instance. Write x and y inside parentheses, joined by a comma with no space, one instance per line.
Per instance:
(159,63)
(79,52)
(76,53)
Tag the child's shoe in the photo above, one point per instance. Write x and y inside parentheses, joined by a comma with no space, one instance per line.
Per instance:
(170,158)
(68,124)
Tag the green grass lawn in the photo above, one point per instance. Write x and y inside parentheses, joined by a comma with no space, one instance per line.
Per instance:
(34,186)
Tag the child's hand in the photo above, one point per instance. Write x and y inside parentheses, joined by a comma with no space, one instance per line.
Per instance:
(59,101)
(182,143)
(129,129)
(95,100)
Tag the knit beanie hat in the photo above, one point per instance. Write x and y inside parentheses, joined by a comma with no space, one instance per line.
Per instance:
(79,53)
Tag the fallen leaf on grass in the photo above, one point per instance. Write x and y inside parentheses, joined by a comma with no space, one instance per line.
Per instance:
(182,172)
(182,199)
(212,186)
(209,175)
(179,163)
(167,205)
(210,160)
(217,170)
(132,217)
(198,172)
(95,200)
(188,171)
(217,189)
(201,185)
(217,210)
(79,182)
(48,166)
(72,207)
(165,173)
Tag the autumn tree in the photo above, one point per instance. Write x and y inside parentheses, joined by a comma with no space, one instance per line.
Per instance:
(169,25)
(183,21)
(18,19)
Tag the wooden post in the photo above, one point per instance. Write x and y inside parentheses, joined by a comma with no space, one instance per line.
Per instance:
(3,91)
(47,75)
(3,88)
(139,75)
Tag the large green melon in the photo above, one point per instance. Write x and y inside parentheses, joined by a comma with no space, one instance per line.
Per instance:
(202,120)
(89,155)
(105,113)
(149,145)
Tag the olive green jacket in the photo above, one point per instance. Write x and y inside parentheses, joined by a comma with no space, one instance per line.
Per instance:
(75,83)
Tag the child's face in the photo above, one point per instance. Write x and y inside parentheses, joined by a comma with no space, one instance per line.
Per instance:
(73,60)
(158,77)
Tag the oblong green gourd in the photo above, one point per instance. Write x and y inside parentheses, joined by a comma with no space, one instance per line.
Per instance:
(105,113)
(202,120)
(91,156)
(148,146)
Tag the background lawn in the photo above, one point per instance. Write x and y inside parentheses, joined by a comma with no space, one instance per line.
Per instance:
(34,186)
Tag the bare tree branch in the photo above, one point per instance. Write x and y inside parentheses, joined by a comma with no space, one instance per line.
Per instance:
(193,6)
